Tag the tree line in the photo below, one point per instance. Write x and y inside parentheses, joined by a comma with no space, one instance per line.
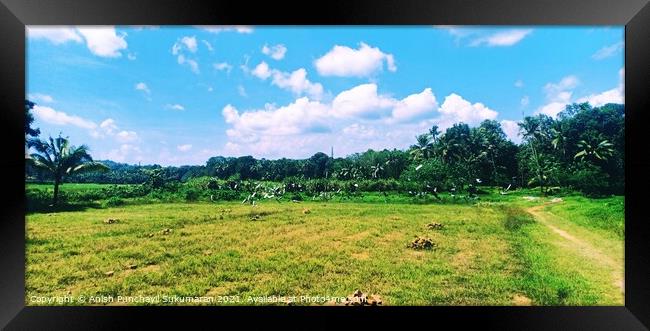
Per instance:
(582,149)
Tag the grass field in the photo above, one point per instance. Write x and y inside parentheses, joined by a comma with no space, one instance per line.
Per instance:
(512,250)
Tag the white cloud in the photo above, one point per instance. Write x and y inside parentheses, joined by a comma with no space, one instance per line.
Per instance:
(511,129)
(244,29)
(296,81)
(525,101)
(560,91)
(456,109)
(126,152)
(301,116)
(104,41)
(488,37)
(502,38)
(262,71)
(180,50)
(55,34)
(126,136)
(359,131)
(276,52)
(305,126)
(415,106)
(190,43)
(108,126)
(615,95)
(362,101)
(175,107)
(49,115)
(609,96)
(131,56)
(39,97)
(242,91)
(208,45)
(519,83)
(142,87)
(608,51)
(558,95)
(222,66)
(344,61)
(184,148)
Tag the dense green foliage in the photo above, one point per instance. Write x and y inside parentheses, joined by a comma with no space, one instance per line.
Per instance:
(583,149)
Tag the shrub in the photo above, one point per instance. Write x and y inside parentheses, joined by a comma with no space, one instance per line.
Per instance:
(113,202)
(590,180)
(191,194)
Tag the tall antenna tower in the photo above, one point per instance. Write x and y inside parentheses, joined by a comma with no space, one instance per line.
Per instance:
(332,153)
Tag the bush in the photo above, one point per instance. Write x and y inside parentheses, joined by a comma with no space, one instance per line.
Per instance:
(191,194)
(590,180)
(113,202)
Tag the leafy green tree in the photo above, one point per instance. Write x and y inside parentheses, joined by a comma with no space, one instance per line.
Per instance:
(61,159)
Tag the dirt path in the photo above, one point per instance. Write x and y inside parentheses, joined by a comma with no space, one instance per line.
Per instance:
(580,246)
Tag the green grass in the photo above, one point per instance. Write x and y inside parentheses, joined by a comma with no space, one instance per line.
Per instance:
(488,253)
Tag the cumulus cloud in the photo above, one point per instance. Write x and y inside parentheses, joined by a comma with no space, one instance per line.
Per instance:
(108,126)
(362,101)
(39,97)
(142,87)
(608,51)
(511,129)
(456,109)
(344,61)
(276,52)
(560,94)
(519,83)
(190,43)
(104,41)
(615,95)
(525,101)
(296,81)
(184,148)
(306,126)
(415,106)
(55,34)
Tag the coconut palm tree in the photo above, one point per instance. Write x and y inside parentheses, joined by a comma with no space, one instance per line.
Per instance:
(61,159)
(594,150)
(423,149)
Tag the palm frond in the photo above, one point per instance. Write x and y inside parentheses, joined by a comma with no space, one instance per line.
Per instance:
(88,167)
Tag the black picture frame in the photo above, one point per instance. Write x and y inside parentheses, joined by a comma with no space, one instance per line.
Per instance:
(634,14)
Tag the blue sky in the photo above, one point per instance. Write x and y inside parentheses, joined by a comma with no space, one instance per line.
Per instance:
(179,95)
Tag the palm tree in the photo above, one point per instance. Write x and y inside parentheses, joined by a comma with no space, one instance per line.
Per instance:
(533,132)
(559,138)
(60,159)
(594,151)
(423,149)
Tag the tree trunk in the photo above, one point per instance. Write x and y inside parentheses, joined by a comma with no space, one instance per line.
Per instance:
(56,191)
